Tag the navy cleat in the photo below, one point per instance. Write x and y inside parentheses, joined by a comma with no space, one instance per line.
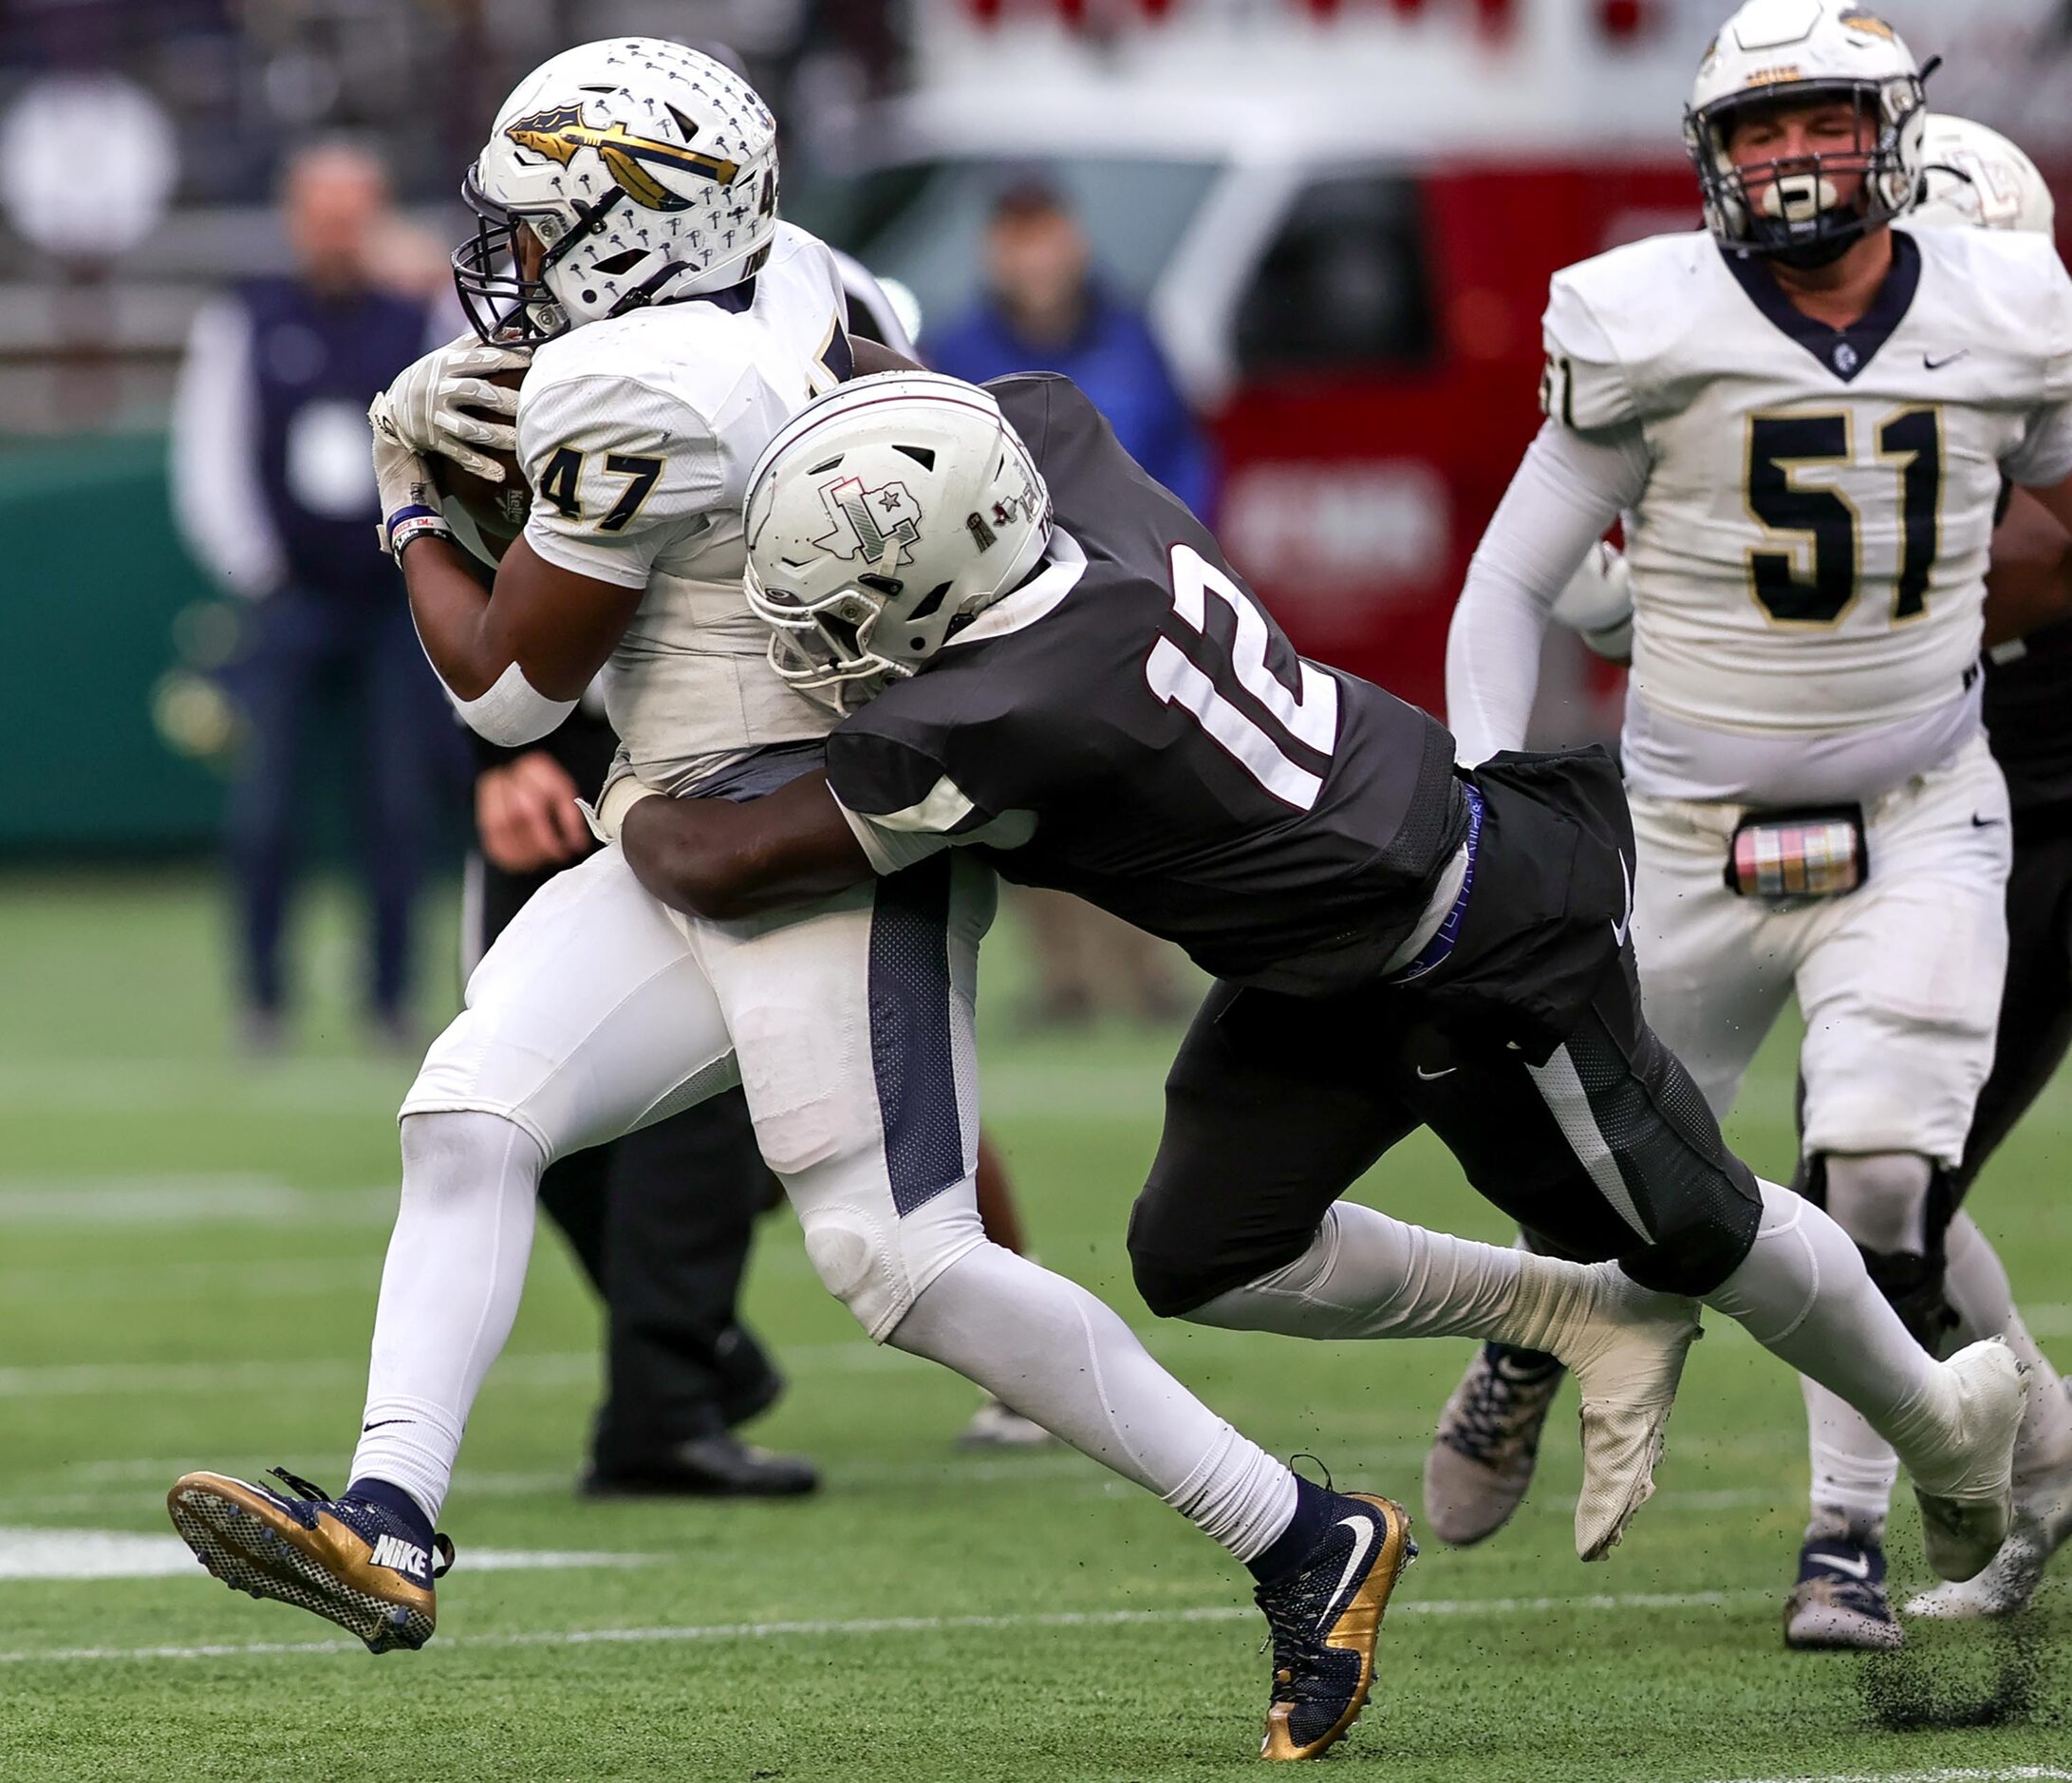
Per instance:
(1840,1601)
(1324,1620)
(352,1561)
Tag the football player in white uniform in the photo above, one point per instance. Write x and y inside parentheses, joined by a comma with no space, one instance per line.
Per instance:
(1804,416)
(1975,178)
(628,197)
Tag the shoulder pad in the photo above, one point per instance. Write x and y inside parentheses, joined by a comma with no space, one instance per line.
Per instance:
(1609,320)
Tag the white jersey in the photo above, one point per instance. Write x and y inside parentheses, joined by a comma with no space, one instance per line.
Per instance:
(636,435)
(1810,545)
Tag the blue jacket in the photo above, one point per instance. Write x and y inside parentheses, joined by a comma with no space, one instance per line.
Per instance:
(317,359)
(1114,359)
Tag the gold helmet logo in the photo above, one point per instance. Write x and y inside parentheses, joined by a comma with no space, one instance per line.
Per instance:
(559,132)
(1870,23)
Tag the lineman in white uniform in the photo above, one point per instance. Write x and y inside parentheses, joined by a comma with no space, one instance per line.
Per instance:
(627,196)
(1804,417)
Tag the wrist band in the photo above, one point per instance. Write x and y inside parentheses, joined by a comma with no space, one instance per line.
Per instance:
(414,522)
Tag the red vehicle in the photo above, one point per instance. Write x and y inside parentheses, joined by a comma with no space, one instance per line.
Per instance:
(1361,326)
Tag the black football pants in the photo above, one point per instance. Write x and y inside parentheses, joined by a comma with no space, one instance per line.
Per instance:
(1603,1148)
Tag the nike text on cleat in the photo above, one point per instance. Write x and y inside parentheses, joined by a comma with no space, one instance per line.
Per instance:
(1323,1622)
(1481,1458)
(1964,1474)
(1839,1601)
(347,1559)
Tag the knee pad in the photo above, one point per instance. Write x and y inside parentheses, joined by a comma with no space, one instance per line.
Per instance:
(1176,1272)
(1897,1207)
(877,1262)
(1883,1200)
(1700,1238)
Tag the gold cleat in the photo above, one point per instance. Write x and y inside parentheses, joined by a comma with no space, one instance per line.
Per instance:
(350,1561)
(1325,1621)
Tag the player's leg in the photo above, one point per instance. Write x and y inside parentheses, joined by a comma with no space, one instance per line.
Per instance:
(1715,972)
(275,682)
(853,1024)
(589,1018)
(996,1424)
(2034,1033)
(1901,988)
(1275,1106)
(1684,1217)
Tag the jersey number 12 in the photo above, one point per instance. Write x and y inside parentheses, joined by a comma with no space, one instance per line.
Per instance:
(1307,720)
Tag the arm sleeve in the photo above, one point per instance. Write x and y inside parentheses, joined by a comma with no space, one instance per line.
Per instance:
(218,497)
(619,471)
(1565,497)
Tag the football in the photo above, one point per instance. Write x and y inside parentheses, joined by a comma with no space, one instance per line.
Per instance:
(498,511)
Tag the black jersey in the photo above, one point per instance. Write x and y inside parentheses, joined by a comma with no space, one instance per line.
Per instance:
(2027,688)
(1131,726)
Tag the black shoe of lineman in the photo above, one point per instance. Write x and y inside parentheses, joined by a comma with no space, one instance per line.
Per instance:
(350,1560)
(1324,1621)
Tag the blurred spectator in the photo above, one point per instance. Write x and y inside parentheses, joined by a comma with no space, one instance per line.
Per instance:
(274,493)
(1045,311)
(662,1220)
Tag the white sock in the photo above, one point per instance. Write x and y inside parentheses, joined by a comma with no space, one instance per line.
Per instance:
(1854,1468)
(1983,1299)
(1803,1294)
(1366,1275)
(1058,1356)
(450,1290)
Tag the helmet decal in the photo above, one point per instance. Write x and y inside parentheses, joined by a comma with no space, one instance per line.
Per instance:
(883,524)
(1870,23)
(559,133)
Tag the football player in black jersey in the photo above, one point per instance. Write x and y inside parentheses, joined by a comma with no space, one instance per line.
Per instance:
(1396,942)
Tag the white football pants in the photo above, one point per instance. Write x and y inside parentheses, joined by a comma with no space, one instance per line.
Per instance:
(1900,982)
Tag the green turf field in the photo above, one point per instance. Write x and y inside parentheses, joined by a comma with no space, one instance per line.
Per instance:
(188,1247)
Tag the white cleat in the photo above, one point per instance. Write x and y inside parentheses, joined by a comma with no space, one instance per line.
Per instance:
(1965,1483)
(997,1425)
(2042,1521)
(1627,1359)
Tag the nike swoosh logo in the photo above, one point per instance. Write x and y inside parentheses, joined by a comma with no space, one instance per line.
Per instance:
(1931,362)
(1434,1076)
(1984,823)
(383,1423)
(1363,1538)
(1624,927)
(1841,1563)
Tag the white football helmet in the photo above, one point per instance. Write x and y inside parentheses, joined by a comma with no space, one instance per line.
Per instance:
(1975,178)
(648,171)
(1774,51)
(881,520)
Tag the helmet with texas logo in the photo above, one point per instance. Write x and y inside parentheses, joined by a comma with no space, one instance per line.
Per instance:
(1975,178)
(882,519)
(645,172)
(1806,210)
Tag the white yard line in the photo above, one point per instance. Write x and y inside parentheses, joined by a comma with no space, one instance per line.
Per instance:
(1493,1607)
(81,1554)
(2002,1773)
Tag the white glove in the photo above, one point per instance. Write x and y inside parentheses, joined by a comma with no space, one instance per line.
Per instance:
(423,408)
(1598,602)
